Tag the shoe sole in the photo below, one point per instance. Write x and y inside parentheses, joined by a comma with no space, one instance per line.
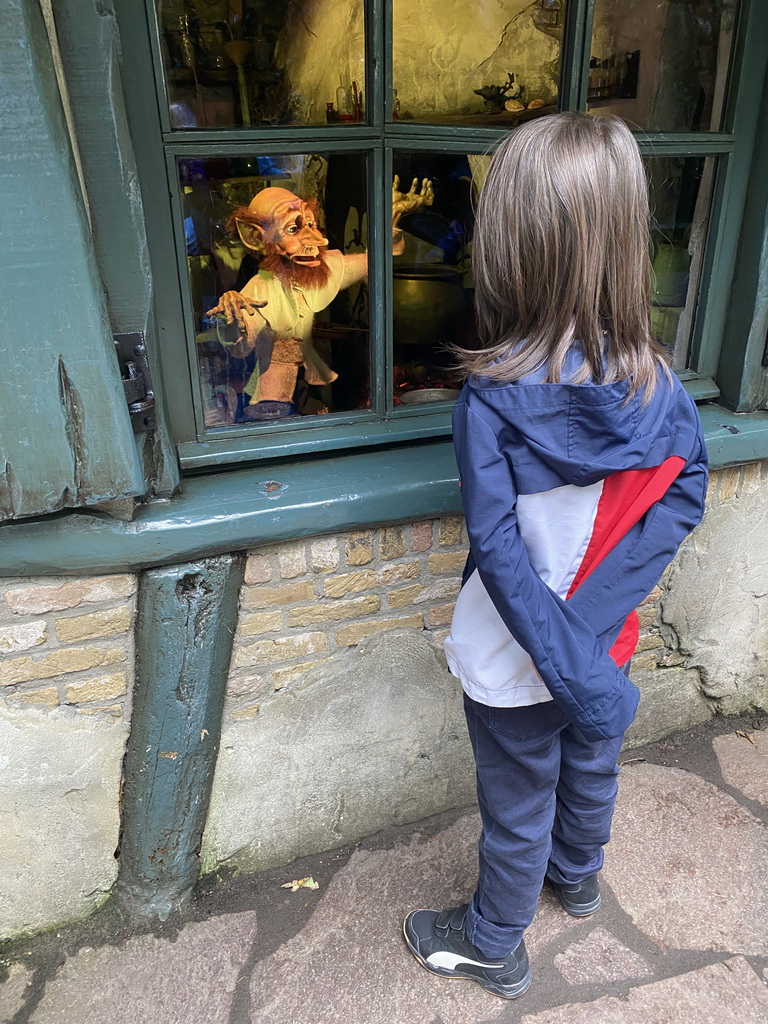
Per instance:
(504,991)
(577,909)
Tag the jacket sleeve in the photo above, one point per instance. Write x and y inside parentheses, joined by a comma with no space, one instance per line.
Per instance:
(628,574)
(564,648)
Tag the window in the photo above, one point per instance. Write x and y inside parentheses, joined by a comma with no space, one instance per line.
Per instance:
(334,103)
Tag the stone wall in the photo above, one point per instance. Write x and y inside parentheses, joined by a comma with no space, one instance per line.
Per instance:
(304,603)
(66,669)
(341,717)
(68,643)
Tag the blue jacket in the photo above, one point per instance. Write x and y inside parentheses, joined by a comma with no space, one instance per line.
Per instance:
(528,437)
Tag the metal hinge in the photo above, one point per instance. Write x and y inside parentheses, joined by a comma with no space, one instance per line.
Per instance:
(137,383)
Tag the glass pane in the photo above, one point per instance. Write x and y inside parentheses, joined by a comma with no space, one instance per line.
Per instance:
(250,63)
(290,232)
(681,197)
(432,290)
(661,66)
(488,62)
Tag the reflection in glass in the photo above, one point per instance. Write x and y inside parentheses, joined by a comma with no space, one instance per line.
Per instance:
(277,265)
(661,66)
(681,196)
(489,62)
(432,292)
(250,63)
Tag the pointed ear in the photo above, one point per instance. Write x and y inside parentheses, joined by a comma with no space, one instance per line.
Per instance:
(251,235)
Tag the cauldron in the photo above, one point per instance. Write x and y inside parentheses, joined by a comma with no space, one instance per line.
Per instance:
(428,303)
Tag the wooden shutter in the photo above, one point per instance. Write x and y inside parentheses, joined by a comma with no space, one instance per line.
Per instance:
(65,434)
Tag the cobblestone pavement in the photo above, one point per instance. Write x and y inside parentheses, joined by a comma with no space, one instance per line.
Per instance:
(681,937)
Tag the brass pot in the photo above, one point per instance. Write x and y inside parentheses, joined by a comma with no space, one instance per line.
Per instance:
(428,304)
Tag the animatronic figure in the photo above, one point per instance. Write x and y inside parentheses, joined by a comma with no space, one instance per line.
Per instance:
(297,277)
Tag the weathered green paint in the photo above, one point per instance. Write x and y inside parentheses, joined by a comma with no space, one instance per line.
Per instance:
(742,375)
(65,434)
(726,216)
(90,53)
(250,507)
(575,54)
(733,438)
(701,389)
(186,621)
(143,111)
(243,509)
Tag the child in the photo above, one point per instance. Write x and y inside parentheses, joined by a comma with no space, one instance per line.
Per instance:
(582,469)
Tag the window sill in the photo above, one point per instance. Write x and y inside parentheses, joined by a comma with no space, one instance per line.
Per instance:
(246,508)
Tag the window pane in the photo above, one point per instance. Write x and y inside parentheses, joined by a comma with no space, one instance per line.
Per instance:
(681,197)
(661,66)
(251,63)
(490,62)
(288,231)
(432,290)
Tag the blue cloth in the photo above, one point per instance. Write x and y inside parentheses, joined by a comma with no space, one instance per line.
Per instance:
(546,796)
(529,436)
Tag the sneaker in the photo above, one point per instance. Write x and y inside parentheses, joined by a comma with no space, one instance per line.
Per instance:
(439,942)
(579,899)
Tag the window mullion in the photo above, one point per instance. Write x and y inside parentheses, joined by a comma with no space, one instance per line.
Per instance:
(577,38)
(387,38)
(273,137)
(380,279)
(670,144)
(157,62)
(378,60)
(184,314)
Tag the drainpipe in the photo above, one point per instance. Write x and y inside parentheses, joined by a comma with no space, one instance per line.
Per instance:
(186,623)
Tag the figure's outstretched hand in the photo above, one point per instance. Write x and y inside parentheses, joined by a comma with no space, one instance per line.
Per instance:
(409,202)
(236,306)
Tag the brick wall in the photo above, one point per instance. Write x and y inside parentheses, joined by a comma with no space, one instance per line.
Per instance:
(68,642)
(303,602)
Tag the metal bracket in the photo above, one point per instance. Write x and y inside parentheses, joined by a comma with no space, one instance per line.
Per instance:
(137,382)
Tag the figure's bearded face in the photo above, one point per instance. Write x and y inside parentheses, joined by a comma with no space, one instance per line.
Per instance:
(303,273)
(292,229)
(285,227)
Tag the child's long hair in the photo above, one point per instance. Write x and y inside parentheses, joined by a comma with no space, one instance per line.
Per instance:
(562,252)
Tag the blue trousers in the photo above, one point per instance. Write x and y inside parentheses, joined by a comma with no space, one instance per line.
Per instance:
(546,799)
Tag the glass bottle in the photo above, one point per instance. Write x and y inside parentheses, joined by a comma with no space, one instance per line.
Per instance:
(345,110)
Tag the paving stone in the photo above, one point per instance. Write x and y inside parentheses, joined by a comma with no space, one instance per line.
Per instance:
(600,957)
(191,978)
(12,992)
(549,924)
(744,764)
(351,954)
(727,993)
(688,863)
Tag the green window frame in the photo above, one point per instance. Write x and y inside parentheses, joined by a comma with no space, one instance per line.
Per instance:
(158,147)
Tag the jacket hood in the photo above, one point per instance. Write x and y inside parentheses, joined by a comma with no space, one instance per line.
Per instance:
(581,433)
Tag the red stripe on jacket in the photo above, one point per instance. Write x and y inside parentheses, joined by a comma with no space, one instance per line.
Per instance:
(625,498)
